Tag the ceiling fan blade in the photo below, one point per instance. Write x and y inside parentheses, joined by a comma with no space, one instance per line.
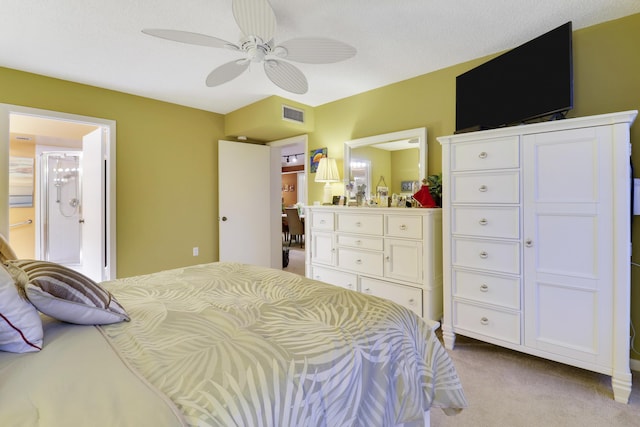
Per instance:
(189,38)
(315,50)
(286,76)
(255,18)
(226,72)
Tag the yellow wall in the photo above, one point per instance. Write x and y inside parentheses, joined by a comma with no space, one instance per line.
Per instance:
(167,154)
(405,167)
(166,168)
(263,120)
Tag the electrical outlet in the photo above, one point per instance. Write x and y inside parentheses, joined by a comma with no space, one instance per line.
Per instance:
(195,251)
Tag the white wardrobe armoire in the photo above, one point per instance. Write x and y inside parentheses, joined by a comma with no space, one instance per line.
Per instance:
(537,241)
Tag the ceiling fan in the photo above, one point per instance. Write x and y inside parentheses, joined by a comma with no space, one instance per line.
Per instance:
(257,21)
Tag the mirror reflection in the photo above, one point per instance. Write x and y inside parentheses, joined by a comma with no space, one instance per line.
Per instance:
(395,161)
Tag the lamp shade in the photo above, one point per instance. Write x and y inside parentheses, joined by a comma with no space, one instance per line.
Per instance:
(327,170)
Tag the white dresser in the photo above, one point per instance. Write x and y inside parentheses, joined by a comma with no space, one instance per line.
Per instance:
(393,253)
(536,224)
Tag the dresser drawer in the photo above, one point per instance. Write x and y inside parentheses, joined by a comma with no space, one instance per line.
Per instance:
(486,187)
(362,242)
(487,288)
(500,222)
(406,296)
(486,255)
(335,277)
(322,221)
(358,223)
(408,226)
(497,324)
(361,261)
(497,153)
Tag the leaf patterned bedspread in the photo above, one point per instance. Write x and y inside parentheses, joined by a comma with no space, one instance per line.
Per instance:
(240,345)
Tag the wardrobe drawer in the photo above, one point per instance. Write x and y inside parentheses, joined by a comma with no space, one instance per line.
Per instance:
(408,226)
(487,288)
(361,261)
(486,255)
(362,242)
(335,277)
(322,221)
(486,187)
(406,296)
(497,153)
(358,223)
(499,222)
(497,324)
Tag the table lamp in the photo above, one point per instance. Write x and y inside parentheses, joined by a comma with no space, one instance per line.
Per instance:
(327,172)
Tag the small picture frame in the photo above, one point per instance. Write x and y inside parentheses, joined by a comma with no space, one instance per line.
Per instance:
(314,160)
(336,200)
(406,186)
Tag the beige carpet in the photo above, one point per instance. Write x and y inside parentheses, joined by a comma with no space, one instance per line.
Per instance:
(508,388)
(296,260)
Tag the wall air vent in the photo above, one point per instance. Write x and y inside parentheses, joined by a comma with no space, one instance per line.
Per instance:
(292,114)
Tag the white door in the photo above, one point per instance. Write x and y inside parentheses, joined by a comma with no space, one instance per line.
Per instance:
(244,203)
(92,205)
(568,247)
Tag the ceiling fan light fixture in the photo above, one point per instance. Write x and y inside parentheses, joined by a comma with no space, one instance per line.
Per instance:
(257,21)
(280,51)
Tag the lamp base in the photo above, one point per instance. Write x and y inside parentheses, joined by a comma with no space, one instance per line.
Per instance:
(327,196)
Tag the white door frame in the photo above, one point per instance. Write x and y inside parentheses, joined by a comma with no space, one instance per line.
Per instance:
(109,184)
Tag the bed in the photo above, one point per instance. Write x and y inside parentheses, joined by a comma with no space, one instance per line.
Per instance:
(219,344)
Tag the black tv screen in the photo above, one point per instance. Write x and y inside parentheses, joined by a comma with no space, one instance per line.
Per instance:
(530,81)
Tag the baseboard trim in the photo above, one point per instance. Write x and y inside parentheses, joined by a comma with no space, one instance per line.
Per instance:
(634,365)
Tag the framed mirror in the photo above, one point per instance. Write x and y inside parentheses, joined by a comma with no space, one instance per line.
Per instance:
(394,160)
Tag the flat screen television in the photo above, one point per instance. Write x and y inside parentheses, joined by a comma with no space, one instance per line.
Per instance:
(531,81)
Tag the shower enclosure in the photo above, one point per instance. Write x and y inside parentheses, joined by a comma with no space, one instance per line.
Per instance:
(61,208)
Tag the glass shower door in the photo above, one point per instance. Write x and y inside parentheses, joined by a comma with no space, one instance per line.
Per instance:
(61,208)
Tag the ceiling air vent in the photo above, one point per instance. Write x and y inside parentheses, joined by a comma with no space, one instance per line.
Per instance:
(292,114)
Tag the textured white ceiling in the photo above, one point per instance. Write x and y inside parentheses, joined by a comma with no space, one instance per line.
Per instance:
(100,43)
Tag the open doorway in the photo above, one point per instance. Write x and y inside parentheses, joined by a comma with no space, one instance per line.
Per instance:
(64,211)
(294,172)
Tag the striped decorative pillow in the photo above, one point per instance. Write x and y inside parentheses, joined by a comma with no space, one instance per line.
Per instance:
(65,294)
(20,324)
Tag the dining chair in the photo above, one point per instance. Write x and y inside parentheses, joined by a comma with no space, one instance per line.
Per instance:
(285,229)
(296,227)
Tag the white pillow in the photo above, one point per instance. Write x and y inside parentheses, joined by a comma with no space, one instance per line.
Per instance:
(65,294)
(20,324)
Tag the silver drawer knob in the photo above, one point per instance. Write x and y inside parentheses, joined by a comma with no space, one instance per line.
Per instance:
(484,321)
(483,221)
(528,243)
(322,221)
(484,254)
(358,224)
(358,261)
(368,290)
(483,189)
(484,288)
(403,227)
(412,301)
(350,286)
(388,258)
(483,155)
(358,242)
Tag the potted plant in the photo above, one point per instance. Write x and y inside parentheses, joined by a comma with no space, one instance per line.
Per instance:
(435,188)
